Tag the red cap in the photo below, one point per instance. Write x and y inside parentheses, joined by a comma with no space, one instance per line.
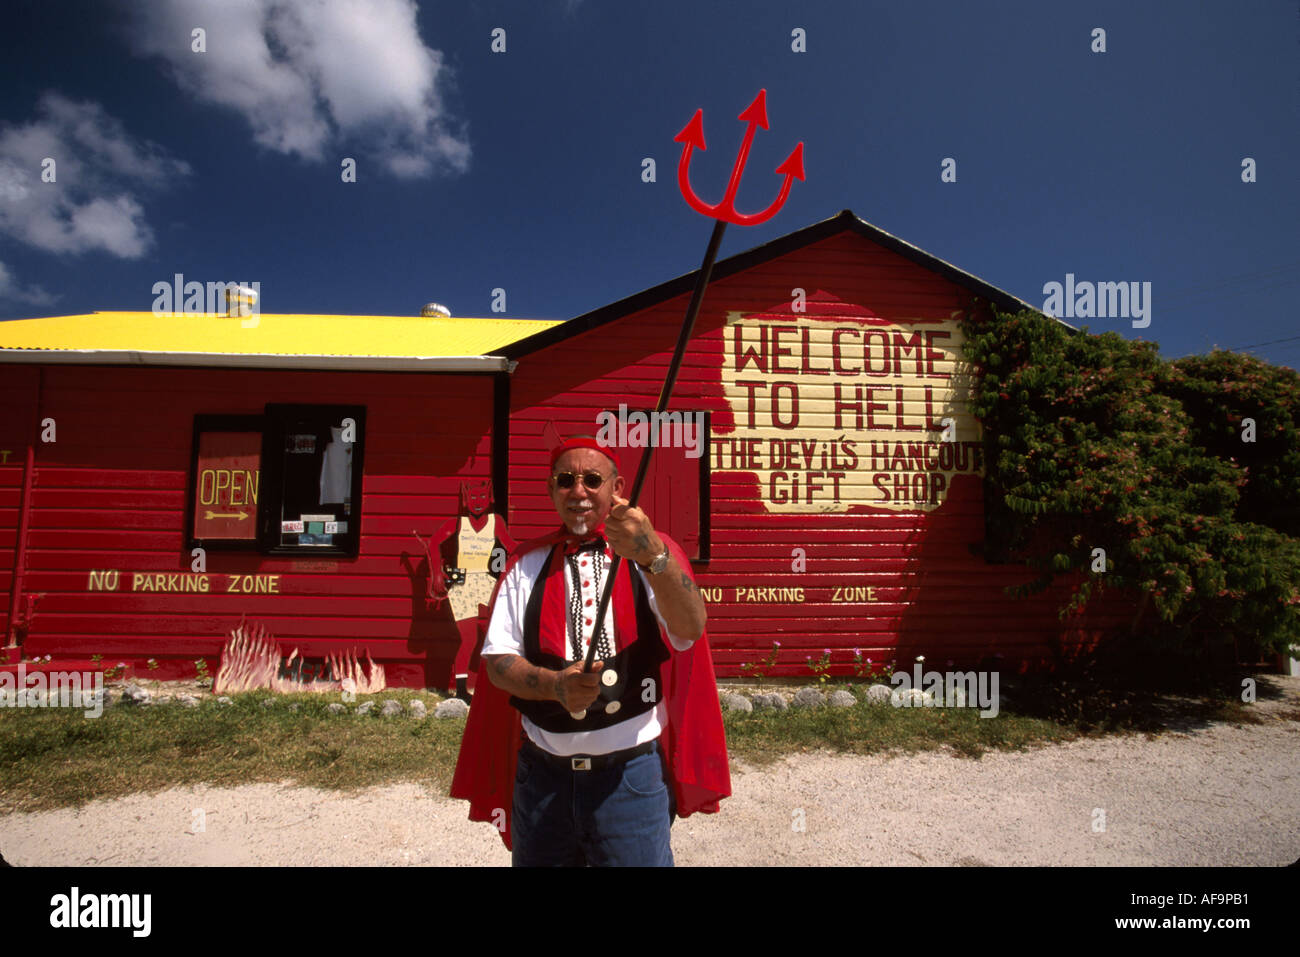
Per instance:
(582,442)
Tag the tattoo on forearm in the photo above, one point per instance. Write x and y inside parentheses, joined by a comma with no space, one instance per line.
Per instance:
(505,663)
(559,688)
(642,541)
(687,583)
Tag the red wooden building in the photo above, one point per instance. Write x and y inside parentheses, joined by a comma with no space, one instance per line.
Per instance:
(829,501)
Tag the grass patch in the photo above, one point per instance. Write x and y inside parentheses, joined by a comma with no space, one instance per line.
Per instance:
(1042,710)
(765,736)
(58,758)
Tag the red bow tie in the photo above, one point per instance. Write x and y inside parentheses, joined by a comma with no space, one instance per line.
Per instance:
(593,541)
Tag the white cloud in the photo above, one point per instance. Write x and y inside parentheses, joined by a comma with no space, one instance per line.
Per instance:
(97,165)
(10,291)
(314,77)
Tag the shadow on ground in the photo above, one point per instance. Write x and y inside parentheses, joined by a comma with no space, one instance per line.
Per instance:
(1144,700)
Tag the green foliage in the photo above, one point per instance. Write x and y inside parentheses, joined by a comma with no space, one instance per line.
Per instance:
(867,670)
(1221,390)
(1094,441)
(115,672)
(821,666)
(760,668)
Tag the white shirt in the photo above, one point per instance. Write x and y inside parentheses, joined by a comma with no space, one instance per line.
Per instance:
(505,636)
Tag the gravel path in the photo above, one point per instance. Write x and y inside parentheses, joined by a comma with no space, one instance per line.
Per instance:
(1226,795)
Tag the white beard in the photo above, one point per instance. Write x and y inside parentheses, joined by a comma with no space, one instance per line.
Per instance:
(580,525)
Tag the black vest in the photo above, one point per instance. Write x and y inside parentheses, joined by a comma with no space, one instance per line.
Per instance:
(636,664)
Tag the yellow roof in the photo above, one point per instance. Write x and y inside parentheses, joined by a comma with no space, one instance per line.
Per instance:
(303,340)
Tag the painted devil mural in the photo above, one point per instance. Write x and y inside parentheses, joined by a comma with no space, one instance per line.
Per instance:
(463,571)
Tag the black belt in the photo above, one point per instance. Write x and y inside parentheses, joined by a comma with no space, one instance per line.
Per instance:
(589,762)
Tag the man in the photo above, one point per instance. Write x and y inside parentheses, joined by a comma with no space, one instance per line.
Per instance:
(590,784)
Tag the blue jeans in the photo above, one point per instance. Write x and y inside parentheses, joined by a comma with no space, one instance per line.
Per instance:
(619,816)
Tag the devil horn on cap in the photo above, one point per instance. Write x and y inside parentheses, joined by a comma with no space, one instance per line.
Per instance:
(583,442)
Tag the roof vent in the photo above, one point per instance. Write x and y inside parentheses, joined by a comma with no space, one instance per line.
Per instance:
(432,309)
(240,301)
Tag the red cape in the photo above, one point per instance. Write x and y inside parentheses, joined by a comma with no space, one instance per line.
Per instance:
(693,744)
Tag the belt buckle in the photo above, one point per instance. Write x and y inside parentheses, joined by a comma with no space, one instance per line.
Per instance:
(580,764)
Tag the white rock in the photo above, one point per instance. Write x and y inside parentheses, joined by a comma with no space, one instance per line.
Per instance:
(451,708)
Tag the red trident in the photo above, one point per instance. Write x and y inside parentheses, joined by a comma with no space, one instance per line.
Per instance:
(693,136)
(725,212)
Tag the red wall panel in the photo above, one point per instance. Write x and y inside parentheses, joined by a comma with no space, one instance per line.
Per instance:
(18,394)
(929,595)
(111,493)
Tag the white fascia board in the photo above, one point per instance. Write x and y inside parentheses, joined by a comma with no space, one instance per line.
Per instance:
(256,360)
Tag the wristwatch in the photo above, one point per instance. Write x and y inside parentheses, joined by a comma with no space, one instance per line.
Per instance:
(657,566)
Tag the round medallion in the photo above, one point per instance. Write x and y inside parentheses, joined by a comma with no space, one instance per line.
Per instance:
(609,677)
(578,715)
(612,707)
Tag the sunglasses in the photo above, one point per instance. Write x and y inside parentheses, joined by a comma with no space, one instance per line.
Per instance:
(565,480)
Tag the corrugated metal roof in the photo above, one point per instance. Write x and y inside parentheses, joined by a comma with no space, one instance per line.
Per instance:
(298,340)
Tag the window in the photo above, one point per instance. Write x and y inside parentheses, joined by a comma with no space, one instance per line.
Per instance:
(286,482)
(312,457)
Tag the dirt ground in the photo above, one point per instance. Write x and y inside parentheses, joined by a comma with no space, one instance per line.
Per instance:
(1225,795)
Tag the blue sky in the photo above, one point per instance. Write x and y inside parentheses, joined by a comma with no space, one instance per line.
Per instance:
(522,169)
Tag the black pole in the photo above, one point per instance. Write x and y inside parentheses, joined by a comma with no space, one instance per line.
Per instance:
(688,326)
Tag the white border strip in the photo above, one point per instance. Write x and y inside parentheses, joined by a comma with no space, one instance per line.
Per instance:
(255,360)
